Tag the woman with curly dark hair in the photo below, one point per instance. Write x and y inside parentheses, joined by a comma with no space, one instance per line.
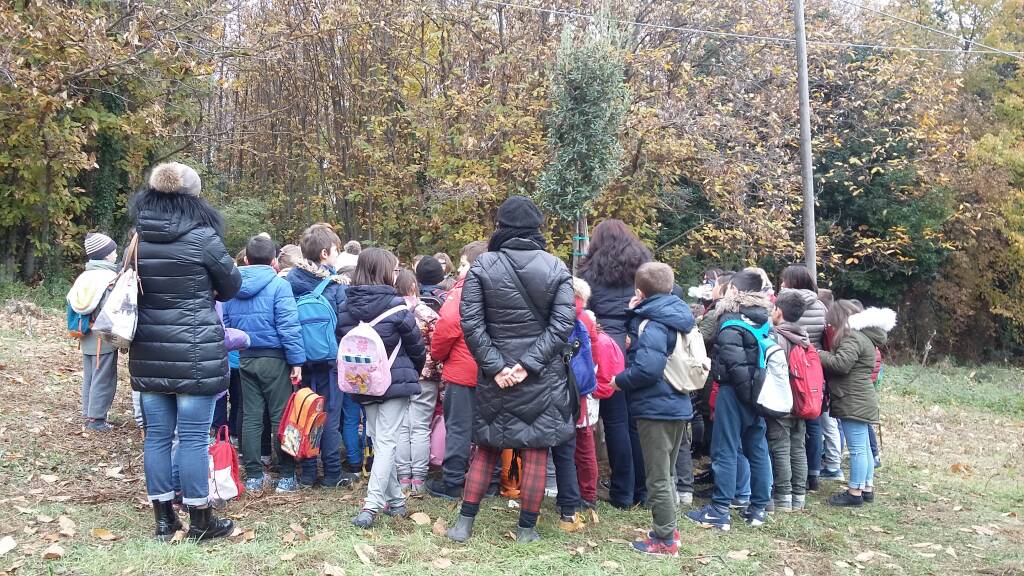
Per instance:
(610,266)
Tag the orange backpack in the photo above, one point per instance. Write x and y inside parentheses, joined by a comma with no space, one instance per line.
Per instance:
(302,424)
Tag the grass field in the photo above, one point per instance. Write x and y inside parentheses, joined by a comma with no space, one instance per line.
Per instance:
(950,496)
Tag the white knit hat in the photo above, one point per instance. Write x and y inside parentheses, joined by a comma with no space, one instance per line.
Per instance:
(175,178)
(98,246)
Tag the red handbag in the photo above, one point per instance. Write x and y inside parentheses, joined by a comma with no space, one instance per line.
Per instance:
(225,482)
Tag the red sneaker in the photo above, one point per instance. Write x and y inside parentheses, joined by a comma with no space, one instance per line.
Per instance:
(658,547)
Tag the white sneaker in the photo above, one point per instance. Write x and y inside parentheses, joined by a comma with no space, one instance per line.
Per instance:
(684,498)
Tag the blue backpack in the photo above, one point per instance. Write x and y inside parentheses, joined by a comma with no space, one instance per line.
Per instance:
(582,362)
(78,324)
(318,320)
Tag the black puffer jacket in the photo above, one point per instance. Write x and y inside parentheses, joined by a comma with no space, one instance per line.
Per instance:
(179,342)
(736,358)
(609,304)
(364,303)
(501,331)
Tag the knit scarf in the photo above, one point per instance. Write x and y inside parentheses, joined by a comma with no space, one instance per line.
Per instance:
(504,234)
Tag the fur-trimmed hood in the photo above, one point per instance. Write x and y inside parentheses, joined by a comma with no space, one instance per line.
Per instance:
(741,301)
(320,272)
(883,318)
(875,323)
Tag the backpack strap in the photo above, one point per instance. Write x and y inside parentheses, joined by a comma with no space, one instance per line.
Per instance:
(506,261)
(760,333)
(390,312)
(319,290)
(395,310)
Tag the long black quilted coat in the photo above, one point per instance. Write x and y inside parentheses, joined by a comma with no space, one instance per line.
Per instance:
(501,331)
(179,342)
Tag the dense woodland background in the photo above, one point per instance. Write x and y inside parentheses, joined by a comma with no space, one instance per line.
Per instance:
(407,122)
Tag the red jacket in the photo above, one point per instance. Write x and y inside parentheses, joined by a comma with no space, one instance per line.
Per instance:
(449,347)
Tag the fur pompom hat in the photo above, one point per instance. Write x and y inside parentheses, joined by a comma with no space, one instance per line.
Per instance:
(175,178)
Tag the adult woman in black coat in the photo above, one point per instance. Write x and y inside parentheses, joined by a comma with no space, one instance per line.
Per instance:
(518,336)
(178,361)
(609,268)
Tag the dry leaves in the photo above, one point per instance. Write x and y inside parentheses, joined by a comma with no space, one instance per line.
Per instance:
(441,563)
(103,534)
(332,570)
(865,556)
(53,552)
(325,535)
(787,571)
(67,526)
(178,537)
(365,552)
(7,544)
(420,518)
(439,528)
(610,565)
(48,478)
(961,468)
(288,557)
(114,472)
(44,519)
(738,554)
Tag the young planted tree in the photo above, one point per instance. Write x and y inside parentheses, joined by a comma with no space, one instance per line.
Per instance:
(589,97)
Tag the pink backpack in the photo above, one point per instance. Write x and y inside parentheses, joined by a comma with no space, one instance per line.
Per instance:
(364,366)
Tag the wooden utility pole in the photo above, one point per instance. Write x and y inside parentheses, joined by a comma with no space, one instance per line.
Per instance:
(806,159)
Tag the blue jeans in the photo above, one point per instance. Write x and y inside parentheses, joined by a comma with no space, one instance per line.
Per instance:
(873,440)
(623,442)
(351,412)
(322,378)
(815,447)
(564,458)
(742,478)
(192,416)
(862,463)
(738,429)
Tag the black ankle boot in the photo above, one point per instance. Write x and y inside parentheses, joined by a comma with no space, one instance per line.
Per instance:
(203,525)
(167,522)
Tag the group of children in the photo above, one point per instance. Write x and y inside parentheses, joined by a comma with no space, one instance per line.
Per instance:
(758,463)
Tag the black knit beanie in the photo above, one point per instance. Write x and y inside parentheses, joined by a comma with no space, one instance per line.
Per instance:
(429,271)
(520,212)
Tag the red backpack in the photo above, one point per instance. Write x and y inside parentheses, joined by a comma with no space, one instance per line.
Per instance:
(807,381)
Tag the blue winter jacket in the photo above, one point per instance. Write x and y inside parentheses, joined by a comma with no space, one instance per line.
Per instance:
(650,396)
(265,309)
(365,303)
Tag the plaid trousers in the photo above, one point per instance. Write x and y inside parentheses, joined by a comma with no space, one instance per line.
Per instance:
(531,481)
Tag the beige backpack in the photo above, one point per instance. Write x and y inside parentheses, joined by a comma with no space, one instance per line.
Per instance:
(688,365)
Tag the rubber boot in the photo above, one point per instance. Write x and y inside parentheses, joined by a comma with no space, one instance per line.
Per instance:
(526,535)
(203,525)
(167,522)
(463,528)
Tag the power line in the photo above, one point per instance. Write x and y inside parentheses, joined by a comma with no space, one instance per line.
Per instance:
(960,39)
(749,37)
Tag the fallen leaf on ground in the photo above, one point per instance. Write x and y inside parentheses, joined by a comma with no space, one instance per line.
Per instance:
(103,534)
(7,544)
(864,556)
(299,531)
(178,536)
(619,541)
(439,528)
(842,564)
(738,554)
(48,478)
(441,563)
(288,538)
(288,557)
(248,535)
(984,530)
(114,472)
(365,552)
(44,519)
(1010,514)
(420,518)
(787,571)
(926,554)
(703,560)
(53,552)
(592,516)
(332,570)
(325,535)
(236,532)
(921,545)
(950,551)
(960,468)
(610,565)
(67,526)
